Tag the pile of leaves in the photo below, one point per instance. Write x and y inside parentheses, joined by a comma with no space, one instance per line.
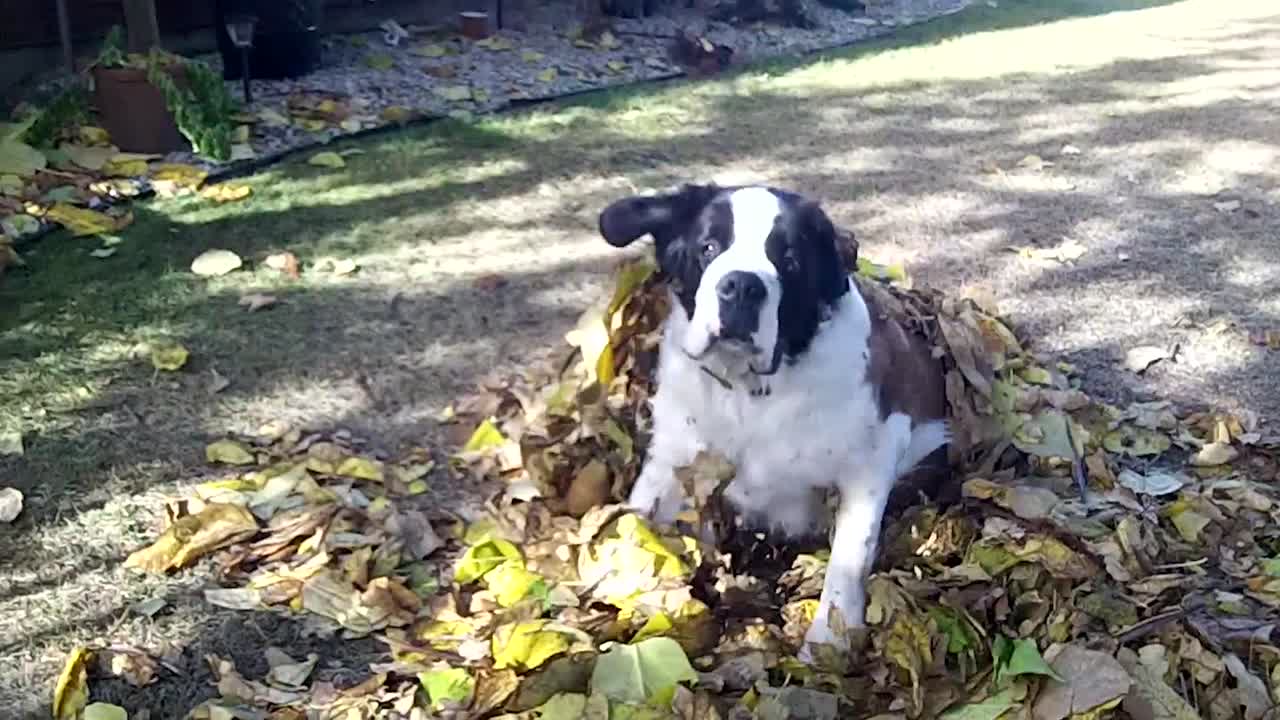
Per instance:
(1103,561)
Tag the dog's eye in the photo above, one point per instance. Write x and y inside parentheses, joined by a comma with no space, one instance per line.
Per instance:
(709,250)
(790,265)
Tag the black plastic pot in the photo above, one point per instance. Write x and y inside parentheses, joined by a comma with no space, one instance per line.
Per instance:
(286,40)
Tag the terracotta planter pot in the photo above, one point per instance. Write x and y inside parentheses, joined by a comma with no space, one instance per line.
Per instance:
(475,25)
(134,111)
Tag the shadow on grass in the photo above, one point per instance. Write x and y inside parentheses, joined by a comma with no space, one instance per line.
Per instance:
(379,351)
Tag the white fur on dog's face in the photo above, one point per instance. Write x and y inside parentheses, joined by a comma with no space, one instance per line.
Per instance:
(754,212)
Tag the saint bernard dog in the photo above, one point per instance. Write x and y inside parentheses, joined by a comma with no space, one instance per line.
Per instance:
(773,357)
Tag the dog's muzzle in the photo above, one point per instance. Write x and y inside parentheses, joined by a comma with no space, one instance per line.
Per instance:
(741,295)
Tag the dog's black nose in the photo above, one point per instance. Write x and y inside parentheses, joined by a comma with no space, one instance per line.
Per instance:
(740,287)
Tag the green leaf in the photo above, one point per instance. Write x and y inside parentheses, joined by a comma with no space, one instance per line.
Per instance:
(1019,657)
(643,672)
(327,159)
(1271,566)
(988,709)
(483,557)
(454,684)
(19,158)
(380,61)
(564,706)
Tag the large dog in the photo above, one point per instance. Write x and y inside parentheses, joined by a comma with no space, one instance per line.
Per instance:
(772,357)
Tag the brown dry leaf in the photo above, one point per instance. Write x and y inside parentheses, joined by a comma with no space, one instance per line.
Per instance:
(194,536)
(132,665)
(285,262)
(1092,681)
(589,488)
(257,301)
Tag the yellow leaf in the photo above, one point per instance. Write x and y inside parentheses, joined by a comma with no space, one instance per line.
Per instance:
(226,193)
(82,221)
(327,159)
(1188,522)
(170,357)
(117,167)
(380,61)
(510,582)
(526,645)
(241,134)
(361,468)
(485,556)
(616,66)
(105,711)
(454,93)
(495,42)
(193,536)
(312,124)
(486,436)
(548,75)
(91,135)
(430,51)
(655,626)
(171,179)
(531,56)
(396,114)
(228,452)
(72,691)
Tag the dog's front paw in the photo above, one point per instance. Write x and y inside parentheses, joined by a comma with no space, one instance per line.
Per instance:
(655,496)
(830,639)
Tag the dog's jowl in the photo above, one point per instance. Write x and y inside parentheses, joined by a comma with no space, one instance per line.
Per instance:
(772,357)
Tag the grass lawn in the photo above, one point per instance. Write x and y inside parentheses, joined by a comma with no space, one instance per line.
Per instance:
(919,143)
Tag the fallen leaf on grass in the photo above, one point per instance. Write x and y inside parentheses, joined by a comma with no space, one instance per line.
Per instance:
(19,158)
(223,192)
(1068,251)
(1140,358)
(380,61)
(193,536)
(216,262)
(102,253)
(19,226)
(174,179)
(72,690)
(257,301)
(327,159)
(104,711)
(11,443)
(1227,206)
(429,51)
(10,504)
(495,42)
(454,93)
(549,75)
(1034,162)
(647,671)
(169,357)
(532,56)
(82,221)
(285,262)
(228,452)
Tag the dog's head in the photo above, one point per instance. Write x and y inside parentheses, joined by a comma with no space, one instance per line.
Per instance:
(755,269)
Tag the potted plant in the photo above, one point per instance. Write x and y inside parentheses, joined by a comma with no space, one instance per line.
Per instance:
(159,102)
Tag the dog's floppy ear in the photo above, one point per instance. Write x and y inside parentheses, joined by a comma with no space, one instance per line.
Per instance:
(829,257)
(662,216)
